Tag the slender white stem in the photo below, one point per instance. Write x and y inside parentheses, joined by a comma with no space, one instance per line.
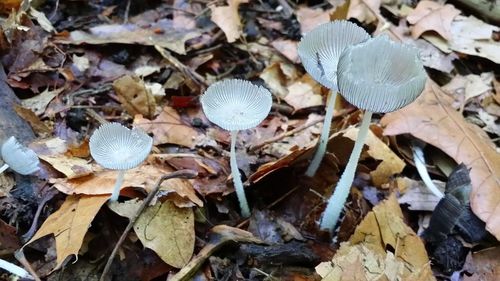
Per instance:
(323,139)
(238,184)
(118,184)
(337,200)
(3,168)
(418,158)
(14,269)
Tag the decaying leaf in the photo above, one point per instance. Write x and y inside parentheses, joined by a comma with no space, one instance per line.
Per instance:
(228,19)
(144,176)
(304,92)
(134,96)
(432,16)
(364,10)
(278,75)
(164,228)
(38,103)
(70,223)
(168,127)
(432,119)
(485,265)
(311,18)
(288,48)
(417,196)
(365,255)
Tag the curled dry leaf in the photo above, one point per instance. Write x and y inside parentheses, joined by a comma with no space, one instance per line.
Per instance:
(144,176)
(168,127)
(163,228)
(432,119)
(364,256)
(70,223)
(134,96)
(228,19)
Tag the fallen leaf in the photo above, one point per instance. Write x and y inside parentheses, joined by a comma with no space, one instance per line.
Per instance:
(471,85)
(38,126)
(432,119)
(6,6)
(288,48)
(6,184)
(310,18)
(390,163)
(417,196)
(278,76)
(228,19)
(363,10)
(163,228)
(144,176)
(134,96)
(304,93)
(39,103)
(168,127)
(364,256)
(70,223)
(42,20)
(432,16)
(485,265)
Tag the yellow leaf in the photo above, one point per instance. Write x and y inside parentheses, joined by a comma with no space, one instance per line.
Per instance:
(70,223)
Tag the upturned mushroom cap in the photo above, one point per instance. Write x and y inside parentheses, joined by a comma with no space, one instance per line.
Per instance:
(236,104)
(19,158)
(116,147)
(321,48)
(380,75)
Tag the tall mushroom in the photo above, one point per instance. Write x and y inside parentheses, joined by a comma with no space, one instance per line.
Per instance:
(319,51)
(18,157)
(235,105)
(378,75)
(116,147)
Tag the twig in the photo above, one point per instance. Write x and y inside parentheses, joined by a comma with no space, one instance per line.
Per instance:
(186,174)
(127,10)
(19,255)
(193,75)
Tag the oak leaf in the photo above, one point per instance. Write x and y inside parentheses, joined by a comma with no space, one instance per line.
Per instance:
(432,119)
(134,96)
(432,16)
(228,19)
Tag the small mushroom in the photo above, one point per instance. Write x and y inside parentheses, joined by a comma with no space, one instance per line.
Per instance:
(378,75)
(18,157)
(320,51)
(116,147)
(235,105)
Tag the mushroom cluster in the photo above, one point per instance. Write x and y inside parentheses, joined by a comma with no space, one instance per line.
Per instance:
(374,74)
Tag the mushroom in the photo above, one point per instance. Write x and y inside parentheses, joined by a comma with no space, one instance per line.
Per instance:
(18,157)
(378,75)
(235,105)
(116,147)
(319,51)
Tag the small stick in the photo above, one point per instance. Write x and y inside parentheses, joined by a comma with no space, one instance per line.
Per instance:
(186,174)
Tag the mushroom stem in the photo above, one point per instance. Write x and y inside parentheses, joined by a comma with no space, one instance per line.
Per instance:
(419,159)
(3,168)
(14,269)
(118,184)
(323,139)
(238,184)
(337,200)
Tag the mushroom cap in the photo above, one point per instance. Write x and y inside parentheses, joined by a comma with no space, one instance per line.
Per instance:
(19,158)
(321,48)
(235,104)
(116,147)
(380,75)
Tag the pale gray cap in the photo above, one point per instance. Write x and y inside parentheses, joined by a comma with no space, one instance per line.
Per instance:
(235,104)
(320,49)
(116,147)
(380,75)
(19,158)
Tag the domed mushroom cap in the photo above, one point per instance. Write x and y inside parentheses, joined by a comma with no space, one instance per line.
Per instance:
(321,48)
(116,147)
(236,104)
(19,158)
(380,75)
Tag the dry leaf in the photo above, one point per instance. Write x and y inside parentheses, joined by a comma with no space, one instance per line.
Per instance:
(70,223)
(278,75)
(390,164)
(432,119)
(163,228)
(416,194)
(38,103)
(168,127)
(228,19)
(38,126)
(288,48)
(364,256)
(363,10)
(134,96)
(144,176)
(310,18)
(432,16)
(485,265)
(304,93)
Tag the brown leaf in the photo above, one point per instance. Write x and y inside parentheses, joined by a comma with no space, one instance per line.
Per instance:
(288,48)
(365,256)
(163,228)
(168,127)
(70,223)
(134,96)
(228,19)
(364,10)
(311,18)
(432,119)
(432,16)
(27,114)
(485,264)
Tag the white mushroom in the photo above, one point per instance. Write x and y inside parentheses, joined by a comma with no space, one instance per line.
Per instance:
(235,105)
(18,157)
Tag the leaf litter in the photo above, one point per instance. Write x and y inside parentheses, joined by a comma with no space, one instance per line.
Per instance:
(145,65)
